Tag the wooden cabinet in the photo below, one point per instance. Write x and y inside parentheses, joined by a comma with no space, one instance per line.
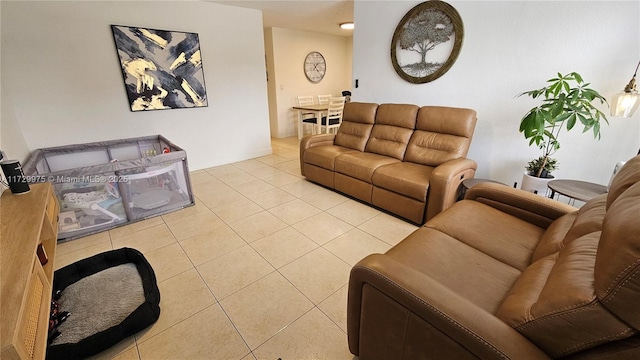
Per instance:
(29,229)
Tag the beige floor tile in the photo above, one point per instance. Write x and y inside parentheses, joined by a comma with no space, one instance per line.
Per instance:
(317,274)
(388,228)
(272,198)
(264,172)
(134,227)
(125,349)
(233,271)
(180,297)
(220,197)
(322,227)
(324,199)
(313,336)
(71,257)
(353,212)
(354,245)
(335,307)
(70,246)
(208,187)
(146,240)
(186,212)
(206,335)
(265,307)
(249,165)
(168,261)
(291,166)
(237,210)
(254,187)
(283,247)
(131,354)
(249,356)
(287,153)
(209,245)
(301,188)
(237,178)
(200,177)
(281,178)
(271,159)
(257,226)
(223,171)
(197,223)
(294,211)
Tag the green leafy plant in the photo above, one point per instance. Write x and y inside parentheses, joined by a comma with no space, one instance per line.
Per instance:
(566,100)
(543,166)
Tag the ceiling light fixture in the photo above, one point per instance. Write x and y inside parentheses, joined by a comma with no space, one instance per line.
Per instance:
(347,25)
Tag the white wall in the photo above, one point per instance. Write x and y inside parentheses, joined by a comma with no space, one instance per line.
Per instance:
(287,79)
(62,78)
(510,47)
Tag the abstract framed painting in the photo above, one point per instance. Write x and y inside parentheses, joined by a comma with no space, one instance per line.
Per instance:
(161,69)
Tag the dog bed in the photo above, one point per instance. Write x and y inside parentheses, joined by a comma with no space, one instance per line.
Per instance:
(109,296)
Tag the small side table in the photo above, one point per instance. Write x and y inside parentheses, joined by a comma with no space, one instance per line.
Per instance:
(576,189)
(469,183)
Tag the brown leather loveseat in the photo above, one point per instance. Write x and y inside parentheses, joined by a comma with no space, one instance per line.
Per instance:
(406,159)
(505,274)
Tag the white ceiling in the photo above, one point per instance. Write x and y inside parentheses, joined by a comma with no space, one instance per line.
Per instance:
(323,16)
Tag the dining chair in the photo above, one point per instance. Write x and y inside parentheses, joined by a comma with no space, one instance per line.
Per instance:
(334,114)
(306,117)
(324,99)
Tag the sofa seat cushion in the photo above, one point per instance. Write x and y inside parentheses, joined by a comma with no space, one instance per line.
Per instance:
(502,236)
(405,178)
(361,166)
(325,156)
(472,274)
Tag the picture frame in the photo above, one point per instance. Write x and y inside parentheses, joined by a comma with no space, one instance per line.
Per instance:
(427,42)
(161,69)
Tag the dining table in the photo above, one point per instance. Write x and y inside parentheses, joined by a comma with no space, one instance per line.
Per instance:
(318,109)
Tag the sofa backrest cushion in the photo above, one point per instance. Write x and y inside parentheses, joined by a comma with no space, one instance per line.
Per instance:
(627,176)
(392,130)
(357,122)
(585,293)
(442,134)
(617,271)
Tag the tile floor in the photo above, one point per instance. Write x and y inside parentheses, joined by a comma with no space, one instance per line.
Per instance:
(257,269)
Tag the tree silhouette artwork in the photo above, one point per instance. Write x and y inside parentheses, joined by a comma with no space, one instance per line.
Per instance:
(418,38)
(421,34)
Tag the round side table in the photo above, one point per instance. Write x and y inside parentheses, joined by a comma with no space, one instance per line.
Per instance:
(576,189)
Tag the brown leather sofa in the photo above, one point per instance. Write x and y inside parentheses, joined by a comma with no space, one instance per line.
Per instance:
(405,159)
(505,274)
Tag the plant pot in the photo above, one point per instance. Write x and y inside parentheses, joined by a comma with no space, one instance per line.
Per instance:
(534,184)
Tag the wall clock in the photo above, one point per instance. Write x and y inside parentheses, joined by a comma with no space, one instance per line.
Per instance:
(314,66)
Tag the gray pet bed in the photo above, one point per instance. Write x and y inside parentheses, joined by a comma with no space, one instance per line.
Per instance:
(109,296)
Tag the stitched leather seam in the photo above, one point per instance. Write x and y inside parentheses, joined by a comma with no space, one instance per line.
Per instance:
(621,274)
(443,315)
(631,276)
(529,317)
(582,345)
(551,315)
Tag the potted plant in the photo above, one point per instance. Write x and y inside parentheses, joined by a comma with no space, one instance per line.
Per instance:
(566,100)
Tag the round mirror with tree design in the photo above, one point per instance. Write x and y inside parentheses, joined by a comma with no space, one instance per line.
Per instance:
(427,42)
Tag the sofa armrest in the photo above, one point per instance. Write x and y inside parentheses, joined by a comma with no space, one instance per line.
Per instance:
(310,141)
(444,183)
(447,314)
(536,209)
